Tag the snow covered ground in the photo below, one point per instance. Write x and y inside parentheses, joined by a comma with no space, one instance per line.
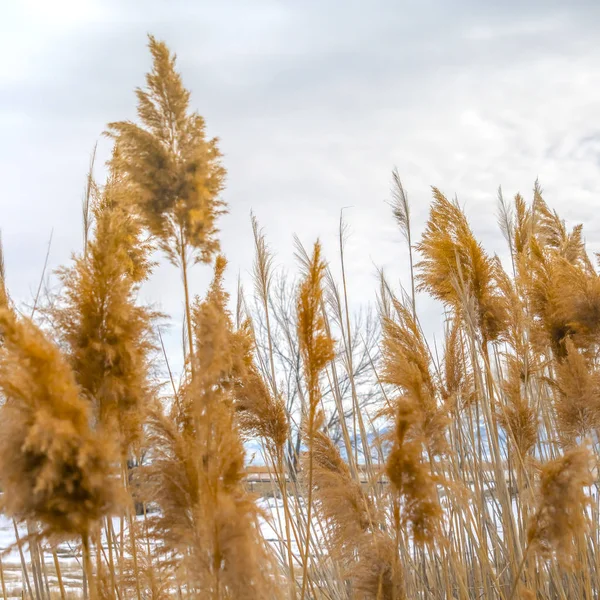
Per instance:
(68,554)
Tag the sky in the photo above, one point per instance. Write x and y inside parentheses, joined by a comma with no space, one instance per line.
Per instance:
(314,103)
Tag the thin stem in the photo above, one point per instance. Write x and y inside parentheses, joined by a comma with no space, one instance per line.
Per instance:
(518,576)
(132,536)
(412,272)
(186,290)
(309,501)
(58,574)
(111,562)
(35,562)
(286,509)
(2,580)
(87,565)
(23,561)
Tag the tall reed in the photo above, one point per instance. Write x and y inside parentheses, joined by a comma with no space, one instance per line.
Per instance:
(463,468)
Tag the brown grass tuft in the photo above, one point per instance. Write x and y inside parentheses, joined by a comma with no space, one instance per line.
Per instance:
(406,366)
(196,475)
(53,467)
(454,260)
(560,515)
(174,171)
(259,412)
(107,335)
(410,476)
(348,512)
(378,574)
(577,402)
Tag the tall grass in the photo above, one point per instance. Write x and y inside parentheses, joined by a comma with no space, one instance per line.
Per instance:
(473,475)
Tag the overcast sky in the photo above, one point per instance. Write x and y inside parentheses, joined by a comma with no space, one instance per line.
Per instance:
(314,103)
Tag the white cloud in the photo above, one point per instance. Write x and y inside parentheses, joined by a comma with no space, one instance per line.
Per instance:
(314,103)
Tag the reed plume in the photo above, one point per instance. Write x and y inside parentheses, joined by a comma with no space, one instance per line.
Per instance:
(577,401)
(515,410)
(259,413)
(317,350)
(551,323)
(347,511)
(454,260)
(560,516)
(552,235)
(316,346)
(107,336)
(173,168)
(378,574)
(523,228)
(406,366)
(420,421)
(356,534)
(410,476)
(580,303)
(457,388)
(401,212)
(207,517)
(153,570)
(174,171)
(516,415)
(506,221)
(562,287)
(53,468)
(262,408)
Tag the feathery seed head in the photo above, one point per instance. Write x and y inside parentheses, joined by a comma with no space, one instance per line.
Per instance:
(53,467)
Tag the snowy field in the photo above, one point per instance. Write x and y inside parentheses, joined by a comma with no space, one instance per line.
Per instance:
(69,554)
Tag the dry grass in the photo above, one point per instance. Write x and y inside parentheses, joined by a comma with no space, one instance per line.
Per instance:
(474,475)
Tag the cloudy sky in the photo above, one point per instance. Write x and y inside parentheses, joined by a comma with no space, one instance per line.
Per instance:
(314,103)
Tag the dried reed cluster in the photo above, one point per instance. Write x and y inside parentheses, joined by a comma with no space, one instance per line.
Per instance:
(395,468)
(55,468)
